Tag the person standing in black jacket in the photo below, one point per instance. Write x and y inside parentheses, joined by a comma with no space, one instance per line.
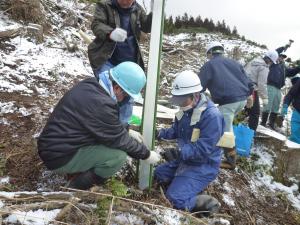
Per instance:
(276,80)
(84,133)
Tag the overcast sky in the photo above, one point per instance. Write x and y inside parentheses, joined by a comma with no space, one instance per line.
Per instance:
(269,22)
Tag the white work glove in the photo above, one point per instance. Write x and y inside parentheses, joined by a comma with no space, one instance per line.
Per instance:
(249,103)
(136,135)
(153,158)
(118,35)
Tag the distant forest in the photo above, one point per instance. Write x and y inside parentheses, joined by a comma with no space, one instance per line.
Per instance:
(173,25)
(189,24)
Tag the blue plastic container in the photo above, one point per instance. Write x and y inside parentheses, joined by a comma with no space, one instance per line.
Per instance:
(243,139)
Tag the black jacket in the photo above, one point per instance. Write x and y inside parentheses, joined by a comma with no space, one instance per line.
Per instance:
(293,96)
(86,115)
(276,77)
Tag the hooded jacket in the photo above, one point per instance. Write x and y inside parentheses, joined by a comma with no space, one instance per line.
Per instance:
(106,19)
(258,71)
(86,115)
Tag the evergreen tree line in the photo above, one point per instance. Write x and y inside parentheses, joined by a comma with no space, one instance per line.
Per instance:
(189,22)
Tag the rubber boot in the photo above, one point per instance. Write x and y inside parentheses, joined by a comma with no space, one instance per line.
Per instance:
(230,159)
(264,118)
(272,119)
(206,204)
(85,180)
(279,121)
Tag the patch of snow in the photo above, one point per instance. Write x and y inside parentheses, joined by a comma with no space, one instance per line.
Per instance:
(291,192)
(171,216)
(272,133)
(24,111)
(265,158)
(292,145)
(11,87)
(4,180)
(227,187)
(4,121)
(38,217)
(7,107)
(228,200)
(268,181)
(127,218)
(220,221)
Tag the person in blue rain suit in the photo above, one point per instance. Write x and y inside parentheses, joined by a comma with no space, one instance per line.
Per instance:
(293,96)
(198,127)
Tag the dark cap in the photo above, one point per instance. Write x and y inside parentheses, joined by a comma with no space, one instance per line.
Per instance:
(283,55)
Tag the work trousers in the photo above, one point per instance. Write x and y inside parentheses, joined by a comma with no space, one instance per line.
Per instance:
(104,161)
(229,111)
(254,113)
(184,182)
(274,99)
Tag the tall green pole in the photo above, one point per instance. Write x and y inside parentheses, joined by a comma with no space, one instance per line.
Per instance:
(153,73)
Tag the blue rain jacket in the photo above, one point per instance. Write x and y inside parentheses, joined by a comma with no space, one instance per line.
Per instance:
(126,106)
(199,161)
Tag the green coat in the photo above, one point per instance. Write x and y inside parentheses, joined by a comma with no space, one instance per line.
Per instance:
(106,19)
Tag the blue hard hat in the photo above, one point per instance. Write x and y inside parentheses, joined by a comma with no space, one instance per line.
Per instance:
(130,77)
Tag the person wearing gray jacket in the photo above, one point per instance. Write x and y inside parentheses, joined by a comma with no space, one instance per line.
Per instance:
(258,70)
(117,27)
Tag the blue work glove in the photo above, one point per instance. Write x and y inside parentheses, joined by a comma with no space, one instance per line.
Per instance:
(284,110)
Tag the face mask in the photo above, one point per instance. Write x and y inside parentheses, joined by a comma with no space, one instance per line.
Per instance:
(186,108)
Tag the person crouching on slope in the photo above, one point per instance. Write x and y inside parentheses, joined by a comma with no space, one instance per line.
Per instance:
(84,133)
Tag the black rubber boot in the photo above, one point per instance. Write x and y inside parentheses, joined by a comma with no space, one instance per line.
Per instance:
(272,119)
(207,205)
(264,118)
(85,180)
(279,121)
(230,159)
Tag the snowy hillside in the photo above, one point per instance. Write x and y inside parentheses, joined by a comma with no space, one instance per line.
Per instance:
(34,76)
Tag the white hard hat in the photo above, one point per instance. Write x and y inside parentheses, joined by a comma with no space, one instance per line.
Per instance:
(215,44)
(273,55)
(185,83)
